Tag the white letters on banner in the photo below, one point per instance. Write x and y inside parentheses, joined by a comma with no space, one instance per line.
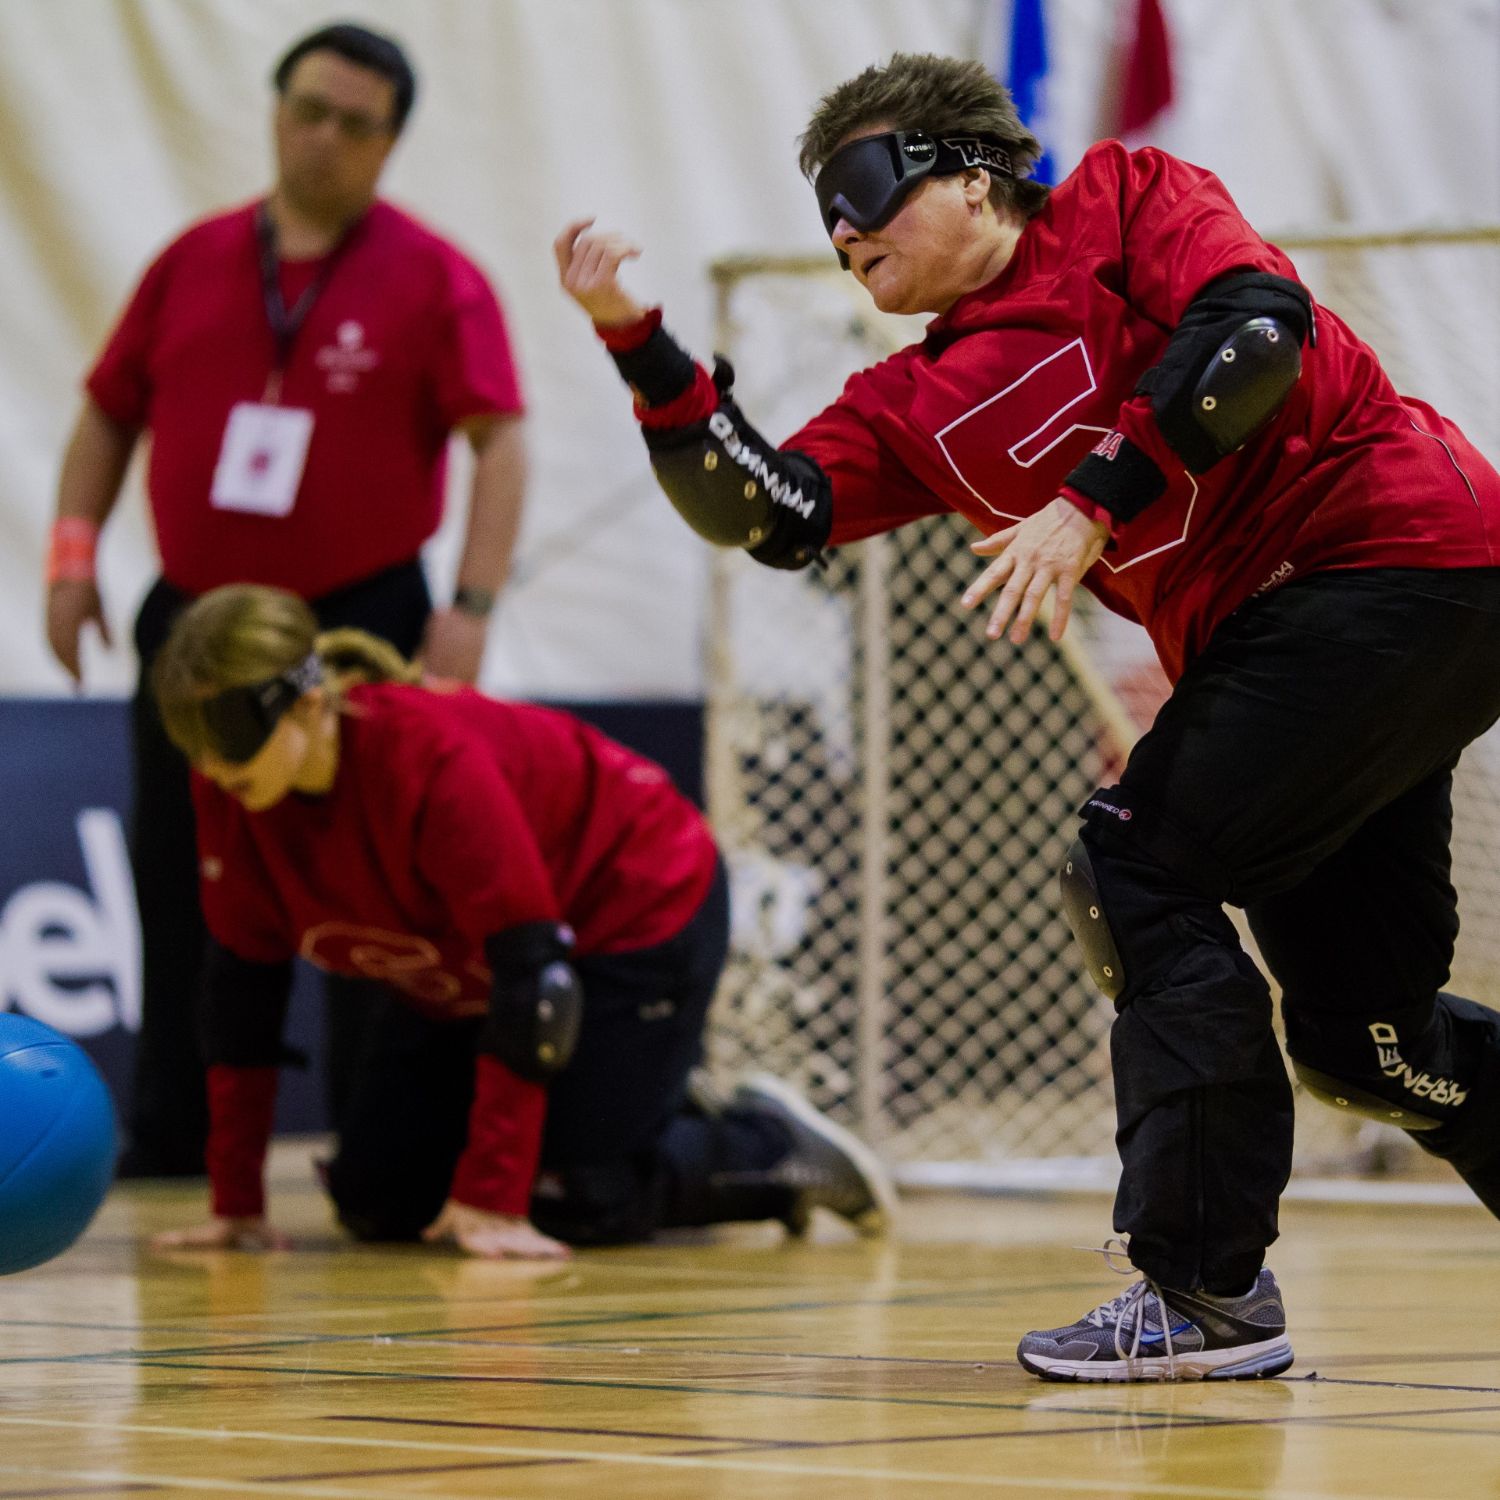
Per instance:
(69,958)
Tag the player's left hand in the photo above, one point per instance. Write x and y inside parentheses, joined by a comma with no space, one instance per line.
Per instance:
(454,645)
(252,1232)
(493,1236)
(1052,549)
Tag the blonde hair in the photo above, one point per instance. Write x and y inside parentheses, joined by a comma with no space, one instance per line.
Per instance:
(246,634)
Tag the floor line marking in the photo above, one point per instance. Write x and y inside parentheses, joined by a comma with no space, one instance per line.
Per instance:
(1050,1483)
(300,1341)
(566,1382)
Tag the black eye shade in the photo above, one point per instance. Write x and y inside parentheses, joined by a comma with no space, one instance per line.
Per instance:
(866,181)
(240,720)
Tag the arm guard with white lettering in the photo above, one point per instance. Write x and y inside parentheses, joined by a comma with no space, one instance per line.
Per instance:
(736,490)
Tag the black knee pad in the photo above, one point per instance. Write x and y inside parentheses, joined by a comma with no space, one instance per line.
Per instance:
(1414,1071)
(1083,906)
(1357,1099)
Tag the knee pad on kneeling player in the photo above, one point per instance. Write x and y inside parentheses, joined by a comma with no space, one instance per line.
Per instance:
(1084,910)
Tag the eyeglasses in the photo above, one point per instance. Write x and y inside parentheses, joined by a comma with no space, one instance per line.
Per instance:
(312,110)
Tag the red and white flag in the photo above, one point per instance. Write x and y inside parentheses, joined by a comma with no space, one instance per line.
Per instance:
(1146,75)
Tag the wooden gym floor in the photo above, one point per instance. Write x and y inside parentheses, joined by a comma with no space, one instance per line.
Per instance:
(739,1366)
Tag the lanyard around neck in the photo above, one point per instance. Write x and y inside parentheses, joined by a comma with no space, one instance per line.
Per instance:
(286,323)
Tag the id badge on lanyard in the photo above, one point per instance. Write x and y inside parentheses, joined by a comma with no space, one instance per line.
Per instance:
(261,458)
(264,449)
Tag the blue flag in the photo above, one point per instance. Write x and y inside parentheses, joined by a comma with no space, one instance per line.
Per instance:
(1026,74)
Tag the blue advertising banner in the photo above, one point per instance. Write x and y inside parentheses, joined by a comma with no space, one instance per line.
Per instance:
(69,933)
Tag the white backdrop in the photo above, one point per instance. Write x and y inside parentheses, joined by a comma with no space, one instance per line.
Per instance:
(121,120)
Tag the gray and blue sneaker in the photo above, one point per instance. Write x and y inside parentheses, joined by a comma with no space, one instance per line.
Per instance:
(827,1166)
(1150,1332)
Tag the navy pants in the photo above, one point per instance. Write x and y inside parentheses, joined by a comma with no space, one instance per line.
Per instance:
(1301,769)
(625,1151)
(168,1112)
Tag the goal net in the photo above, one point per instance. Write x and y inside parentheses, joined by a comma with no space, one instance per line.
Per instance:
(894,793)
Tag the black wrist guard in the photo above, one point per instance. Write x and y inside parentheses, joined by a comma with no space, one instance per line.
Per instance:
(736,490)
(1119,476)
(659,371)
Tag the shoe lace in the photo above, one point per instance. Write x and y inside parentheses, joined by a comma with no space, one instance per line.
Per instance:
(1133,1300)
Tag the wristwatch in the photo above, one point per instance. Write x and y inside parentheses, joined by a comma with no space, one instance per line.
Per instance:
(473,601)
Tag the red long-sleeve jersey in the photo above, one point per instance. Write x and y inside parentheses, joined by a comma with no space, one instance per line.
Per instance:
(989,413)
(452,817)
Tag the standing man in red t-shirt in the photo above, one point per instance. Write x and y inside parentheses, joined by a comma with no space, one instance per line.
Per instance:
(1125,386)
(300,364)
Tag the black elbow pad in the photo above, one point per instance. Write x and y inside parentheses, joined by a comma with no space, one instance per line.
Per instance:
(1229,365)
(536,1000)
(736,490)
(1244,385)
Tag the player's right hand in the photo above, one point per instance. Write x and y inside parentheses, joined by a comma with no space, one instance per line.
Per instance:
(588,266)
(490,1236)
(73,603)
(224,1234)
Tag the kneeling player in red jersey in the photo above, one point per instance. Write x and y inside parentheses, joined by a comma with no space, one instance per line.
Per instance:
(548,916)
(1126,386)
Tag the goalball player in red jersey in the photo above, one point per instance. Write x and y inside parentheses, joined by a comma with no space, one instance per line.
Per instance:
(1125,386)
(546,916)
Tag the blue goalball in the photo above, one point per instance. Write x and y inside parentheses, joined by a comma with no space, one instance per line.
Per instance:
(57,1142)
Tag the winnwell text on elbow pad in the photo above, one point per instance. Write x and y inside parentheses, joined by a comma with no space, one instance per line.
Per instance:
(736,490)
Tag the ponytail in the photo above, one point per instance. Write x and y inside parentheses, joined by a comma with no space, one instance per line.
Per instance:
(355,656)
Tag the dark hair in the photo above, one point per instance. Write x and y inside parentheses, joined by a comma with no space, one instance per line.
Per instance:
(939,95)
(365,49)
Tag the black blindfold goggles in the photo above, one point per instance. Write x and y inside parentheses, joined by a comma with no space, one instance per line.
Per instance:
(240,720)
(866,181)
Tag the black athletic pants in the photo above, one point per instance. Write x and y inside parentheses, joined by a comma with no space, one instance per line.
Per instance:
(168,1114)
(1302,769)
(624,1151)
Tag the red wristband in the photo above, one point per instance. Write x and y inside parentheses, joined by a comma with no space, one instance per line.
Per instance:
(621,338)
(71,546)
